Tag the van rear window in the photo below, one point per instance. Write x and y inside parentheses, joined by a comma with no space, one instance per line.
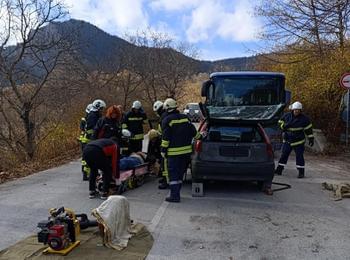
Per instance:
(235,134)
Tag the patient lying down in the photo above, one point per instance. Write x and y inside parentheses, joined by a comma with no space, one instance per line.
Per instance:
(131,161)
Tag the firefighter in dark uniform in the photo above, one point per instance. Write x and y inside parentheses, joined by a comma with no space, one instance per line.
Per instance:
(296,127)
(82,138)
(91,120)
(162,113)
(134,121)
(82,126)
(177,135)
(102,154)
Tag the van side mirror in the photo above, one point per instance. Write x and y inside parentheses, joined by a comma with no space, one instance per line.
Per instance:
(288,97)
(205,87)
(203,109)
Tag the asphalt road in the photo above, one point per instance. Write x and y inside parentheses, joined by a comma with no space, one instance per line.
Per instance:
(232,221)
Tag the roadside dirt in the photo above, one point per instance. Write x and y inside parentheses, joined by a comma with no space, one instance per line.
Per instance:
(29,168)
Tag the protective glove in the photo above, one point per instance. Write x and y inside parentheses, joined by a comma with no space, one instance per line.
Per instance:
(311,142)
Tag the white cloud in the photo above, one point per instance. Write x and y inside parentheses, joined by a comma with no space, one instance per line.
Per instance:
(203,21)
(110,15)
(230,20)
(174,5)
(239,25)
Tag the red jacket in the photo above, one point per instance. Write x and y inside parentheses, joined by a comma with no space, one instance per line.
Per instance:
(110,149)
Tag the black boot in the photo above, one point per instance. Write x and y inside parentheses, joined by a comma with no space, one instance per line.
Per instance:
(279,170)
(162,180)
(170,199)
(301,173)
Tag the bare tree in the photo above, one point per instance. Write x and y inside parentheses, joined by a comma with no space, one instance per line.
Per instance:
(162,64)
(34,64)
(310,27)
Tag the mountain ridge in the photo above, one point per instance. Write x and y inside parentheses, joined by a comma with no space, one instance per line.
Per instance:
(97,46)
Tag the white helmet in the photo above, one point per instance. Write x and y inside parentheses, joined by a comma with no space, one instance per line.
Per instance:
(157,105)
(170,104)
(98,104)
(126,133)
(136,104)
(89,108)
(296,105)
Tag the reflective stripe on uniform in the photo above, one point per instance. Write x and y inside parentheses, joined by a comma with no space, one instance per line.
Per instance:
(86,167)
(90,131)
(165,172)
(308,127)
(135,118)
(300,167)
(281,123)
(180,150)
(165,143)
(294,129)
(198,135)
(84,139)
(137,137)
(297,143)
(124,126)
(175,182)
(178,121)
(281,164)
(310,136)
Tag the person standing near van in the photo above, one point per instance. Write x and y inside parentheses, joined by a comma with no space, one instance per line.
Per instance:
(296,128)
(177,135)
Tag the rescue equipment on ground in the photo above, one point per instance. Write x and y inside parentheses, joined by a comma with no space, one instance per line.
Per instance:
(61,230)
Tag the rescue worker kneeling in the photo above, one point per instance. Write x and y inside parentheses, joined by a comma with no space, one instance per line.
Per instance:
(296,127)
(177,135)
(102,154)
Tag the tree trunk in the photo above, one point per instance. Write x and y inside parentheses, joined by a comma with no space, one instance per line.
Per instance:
(29,127)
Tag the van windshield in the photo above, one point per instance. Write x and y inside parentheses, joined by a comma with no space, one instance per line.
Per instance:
(248,91)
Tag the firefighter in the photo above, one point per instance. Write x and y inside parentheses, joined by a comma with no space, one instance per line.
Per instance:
(83,141)
(296,127)
(102,154)
(95,113)
(109,125)
(158,108)
(134,121)
(177,135)
(82,125)
(124,144)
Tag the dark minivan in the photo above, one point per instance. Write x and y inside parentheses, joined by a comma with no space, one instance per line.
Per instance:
(238,106)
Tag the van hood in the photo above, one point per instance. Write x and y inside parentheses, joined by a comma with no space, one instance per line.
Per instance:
(244,113)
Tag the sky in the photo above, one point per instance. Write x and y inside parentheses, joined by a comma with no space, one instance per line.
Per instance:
(217,28)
